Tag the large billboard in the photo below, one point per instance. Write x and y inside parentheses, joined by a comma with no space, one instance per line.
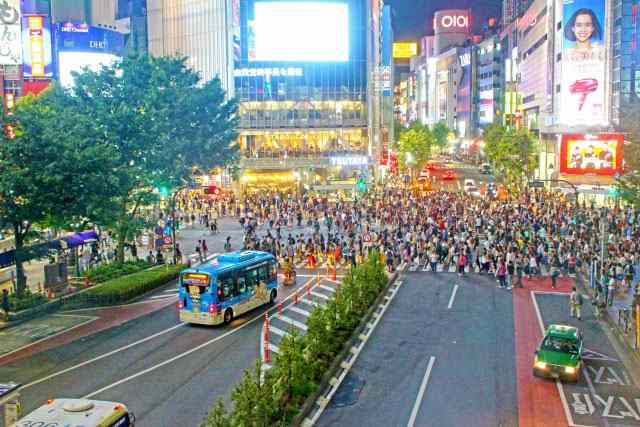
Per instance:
(299,31)
(36,47)
(599,154)
(81,46)
(583,63)
(404,50)
(10,34)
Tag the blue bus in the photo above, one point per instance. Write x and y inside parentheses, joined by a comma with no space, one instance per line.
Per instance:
(227,287)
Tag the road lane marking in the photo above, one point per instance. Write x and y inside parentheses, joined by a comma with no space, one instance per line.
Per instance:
(184,354)
(102,356)
(563,398)
(423,388)
(453,296)
(162,297)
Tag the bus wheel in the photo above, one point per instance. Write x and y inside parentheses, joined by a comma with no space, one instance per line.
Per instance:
(228,315)
(272,296)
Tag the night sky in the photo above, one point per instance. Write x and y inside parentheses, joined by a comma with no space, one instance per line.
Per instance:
(412,19)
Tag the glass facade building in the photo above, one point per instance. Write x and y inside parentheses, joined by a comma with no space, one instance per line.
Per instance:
(197,29)
(306,116)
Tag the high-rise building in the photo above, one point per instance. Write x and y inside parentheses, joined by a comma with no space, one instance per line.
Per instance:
(301,76)
(199,30)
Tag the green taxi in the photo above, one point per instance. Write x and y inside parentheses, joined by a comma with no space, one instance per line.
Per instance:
(559,354)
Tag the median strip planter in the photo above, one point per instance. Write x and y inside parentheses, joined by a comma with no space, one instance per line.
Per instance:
(306,364)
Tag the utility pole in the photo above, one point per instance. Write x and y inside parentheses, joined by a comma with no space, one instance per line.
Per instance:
(603,238)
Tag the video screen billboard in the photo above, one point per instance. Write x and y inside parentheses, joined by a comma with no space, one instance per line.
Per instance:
(299,31)
(36,47)
(80,45)
(583,63)
(599,154)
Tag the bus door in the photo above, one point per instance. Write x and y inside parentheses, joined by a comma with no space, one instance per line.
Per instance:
(225,292)
(251,277)
(197,296)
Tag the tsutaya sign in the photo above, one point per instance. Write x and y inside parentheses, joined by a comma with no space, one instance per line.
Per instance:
(452,21)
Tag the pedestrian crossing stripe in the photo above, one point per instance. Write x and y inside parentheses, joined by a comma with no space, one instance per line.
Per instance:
(594,355)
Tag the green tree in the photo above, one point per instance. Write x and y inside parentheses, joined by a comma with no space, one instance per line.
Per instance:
(414,146)
(629,182)
(217,416)
(441,134)
(161,121)
(50,173)
(512,153)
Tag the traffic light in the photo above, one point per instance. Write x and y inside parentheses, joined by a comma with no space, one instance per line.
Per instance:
(362,185)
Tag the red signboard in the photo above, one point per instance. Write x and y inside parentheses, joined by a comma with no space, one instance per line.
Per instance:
(597,154)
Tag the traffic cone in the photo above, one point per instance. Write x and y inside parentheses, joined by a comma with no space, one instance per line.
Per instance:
(266,338)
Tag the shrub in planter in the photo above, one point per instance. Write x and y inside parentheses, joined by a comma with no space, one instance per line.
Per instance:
(28,300)
(301,362)
(113,270)
(132,285)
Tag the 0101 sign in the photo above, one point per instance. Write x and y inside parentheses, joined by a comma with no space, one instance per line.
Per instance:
(454,21)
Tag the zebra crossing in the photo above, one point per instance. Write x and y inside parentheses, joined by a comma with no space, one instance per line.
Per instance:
(315,292)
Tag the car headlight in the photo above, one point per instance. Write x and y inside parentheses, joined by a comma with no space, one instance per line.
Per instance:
(569,370)
(541,365)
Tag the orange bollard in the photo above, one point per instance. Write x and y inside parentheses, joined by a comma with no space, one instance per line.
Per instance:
(308,289)
(334,277)
(280,310)
(49,293)
(86,282)
(295,297)
(266,338)
(318,278)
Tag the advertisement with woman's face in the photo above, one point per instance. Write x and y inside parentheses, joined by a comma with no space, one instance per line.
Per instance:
(583,63)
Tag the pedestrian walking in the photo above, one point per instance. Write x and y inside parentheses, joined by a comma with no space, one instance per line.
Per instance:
(575,304)
(5,304)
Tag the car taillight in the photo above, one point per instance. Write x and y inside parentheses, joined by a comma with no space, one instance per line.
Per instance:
(180,305)
(213,308)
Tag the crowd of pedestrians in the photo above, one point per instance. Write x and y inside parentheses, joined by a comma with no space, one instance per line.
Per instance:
(536,234)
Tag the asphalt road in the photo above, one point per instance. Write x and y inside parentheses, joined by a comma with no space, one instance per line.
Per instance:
(472,380)
(170,379)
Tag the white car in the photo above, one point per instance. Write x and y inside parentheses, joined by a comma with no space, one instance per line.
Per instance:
(468,184)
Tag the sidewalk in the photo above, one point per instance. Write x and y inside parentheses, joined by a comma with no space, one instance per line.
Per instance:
(625,328)
(187,238)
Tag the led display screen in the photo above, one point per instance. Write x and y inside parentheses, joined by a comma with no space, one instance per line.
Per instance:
(598,154)
(69,62)
(299,31)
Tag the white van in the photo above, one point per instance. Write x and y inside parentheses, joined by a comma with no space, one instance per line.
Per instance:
(79,412)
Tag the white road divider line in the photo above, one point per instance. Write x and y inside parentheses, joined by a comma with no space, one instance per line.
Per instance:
(319,295)
(327,288)
(102,356)
(453,296)
(168,361)
(298,310)
(163,296)
(293,322)
(423,388)
(171,290)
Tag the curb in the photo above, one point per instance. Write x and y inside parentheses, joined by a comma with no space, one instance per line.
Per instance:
(617,332)
(345,359)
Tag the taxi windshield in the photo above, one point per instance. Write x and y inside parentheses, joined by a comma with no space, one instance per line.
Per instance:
(562,345)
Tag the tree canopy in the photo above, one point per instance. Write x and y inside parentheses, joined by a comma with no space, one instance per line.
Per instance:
(511,151)
(414,146)
(161,121)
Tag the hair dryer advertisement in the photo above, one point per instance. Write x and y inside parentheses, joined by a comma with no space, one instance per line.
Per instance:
(583,63)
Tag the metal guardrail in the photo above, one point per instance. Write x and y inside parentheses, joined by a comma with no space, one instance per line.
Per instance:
(624,319)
